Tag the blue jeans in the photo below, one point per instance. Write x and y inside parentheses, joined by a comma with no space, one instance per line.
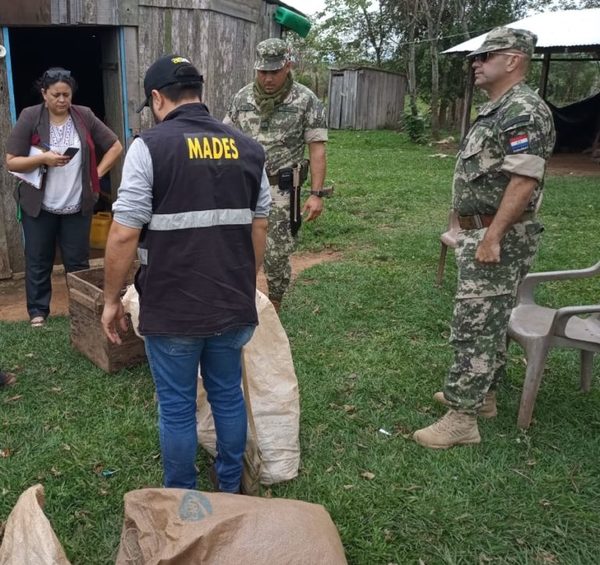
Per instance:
(174,364)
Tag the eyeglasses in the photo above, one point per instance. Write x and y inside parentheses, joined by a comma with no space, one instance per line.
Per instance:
(57,73)
(485,57)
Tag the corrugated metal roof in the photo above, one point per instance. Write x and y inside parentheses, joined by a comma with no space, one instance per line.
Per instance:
(565,28)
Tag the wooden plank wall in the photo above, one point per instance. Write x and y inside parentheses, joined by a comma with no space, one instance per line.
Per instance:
(11,249)
(222,47)
(380,99)
(94,12)
(365,99)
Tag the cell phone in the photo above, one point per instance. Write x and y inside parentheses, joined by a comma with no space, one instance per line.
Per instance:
(71,151)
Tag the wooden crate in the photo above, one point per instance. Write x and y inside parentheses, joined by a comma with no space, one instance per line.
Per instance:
(86,301)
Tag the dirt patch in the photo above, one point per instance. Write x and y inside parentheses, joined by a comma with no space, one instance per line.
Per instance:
(575,164)
(12,291)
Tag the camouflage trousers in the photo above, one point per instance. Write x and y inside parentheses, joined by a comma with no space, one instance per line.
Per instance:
(280,245)
(484,299)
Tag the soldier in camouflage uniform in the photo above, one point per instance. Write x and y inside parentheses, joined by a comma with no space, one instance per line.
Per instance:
(498,182)
(283,116)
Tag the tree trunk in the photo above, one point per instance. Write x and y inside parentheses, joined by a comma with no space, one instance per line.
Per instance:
(435,90)
(412,68)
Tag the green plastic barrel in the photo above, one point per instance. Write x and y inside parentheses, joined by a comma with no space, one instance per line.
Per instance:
(292,20)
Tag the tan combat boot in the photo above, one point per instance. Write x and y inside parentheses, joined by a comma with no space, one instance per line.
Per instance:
(488,410)
(455,428)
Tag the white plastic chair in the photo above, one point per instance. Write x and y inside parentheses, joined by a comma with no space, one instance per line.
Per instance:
(538,328)
(448,239)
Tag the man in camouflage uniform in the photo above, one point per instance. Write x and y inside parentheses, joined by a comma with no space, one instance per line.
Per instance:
(283,116)
(498,181)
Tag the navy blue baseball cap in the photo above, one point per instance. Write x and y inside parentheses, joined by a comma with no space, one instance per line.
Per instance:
(168,70)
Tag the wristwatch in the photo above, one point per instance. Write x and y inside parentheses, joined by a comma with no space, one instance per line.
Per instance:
(319,193)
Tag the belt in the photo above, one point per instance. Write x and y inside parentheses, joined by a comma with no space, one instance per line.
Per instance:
(479,221)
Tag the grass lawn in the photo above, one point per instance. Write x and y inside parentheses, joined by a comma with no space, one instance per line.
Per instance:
(369,337)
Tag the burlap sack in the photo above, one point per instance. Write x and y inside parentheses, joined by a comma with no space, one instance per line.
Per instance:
(185,527)
(273,393)
(131,305)
(28,536)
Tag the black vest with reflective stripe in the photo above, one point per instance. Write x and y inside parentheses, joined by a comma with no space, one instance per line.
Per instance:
(198,273)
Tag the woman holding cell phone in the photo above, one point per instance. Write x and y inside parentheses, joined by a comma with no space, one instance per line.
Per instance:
(61,209)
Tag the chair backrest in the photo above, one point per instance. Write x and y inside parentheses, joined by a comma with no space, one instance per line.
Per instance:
(449,237)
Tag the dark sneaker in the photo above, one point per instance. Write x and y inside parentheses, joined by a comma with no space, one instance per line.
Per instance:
(7,379)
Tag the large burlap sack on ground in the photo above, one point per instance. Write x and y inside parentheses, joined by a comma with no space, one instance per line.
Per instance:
(28,536)
(274,397)
(186,527)
(273,394)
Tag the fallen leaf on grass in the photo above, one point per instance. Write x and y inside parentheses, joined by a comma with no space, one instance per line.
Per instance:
(367,475)
(329,469)
(411,488)
(55,472)
(66,447)
(30,355)
(348,487)
(56,389)
(13,398)
(545,503)
(349,408)
(546,557)
(5,453)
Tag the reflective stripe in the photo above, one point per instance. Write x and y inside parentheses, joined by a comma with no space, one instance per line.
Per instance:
(142,254)
(200,219)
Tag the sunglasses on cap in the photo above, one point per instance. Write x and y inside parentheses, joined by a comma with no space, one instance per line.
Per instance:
(484,57)
(57,73)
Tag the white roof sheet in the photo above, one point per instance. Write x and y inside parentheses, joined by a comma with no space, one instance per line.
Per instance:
(564,28)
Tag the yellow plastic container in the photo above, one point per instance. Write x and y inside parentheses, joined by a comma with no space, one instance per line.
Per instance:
(99,231)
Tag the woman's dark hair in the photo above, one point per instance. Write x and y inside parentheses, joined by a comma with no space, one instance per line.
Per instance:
(54,75)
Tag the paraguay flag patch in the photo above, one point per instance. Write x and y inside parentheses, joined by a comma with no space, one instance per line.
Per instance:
(519,143)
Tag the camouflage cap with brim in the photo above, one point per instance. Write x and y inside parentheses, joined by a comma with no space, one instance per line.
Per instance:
(271,55)
(507,38)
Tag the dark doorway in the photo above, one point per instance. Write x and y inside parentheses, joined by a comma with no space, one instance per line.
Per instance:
(79,49)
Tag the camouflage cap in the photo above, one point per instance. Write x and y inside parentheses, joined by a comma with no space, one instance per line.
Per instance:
(271,55)
(507,38)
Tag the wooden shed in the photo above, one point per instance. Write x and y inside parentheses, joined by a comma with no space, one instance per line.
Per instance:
(108,45)
(365,98)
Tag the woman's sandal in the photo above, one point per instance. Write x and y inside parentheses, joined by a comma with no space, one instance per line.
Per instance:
(38,322)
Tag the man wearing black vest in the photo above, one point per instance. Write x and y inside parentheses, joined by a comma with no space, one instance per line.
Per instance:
(193,202)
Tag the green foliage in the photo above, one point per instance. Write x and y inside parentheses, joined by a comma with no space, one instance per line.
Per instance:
(414,126)
(369,337)
(364,32)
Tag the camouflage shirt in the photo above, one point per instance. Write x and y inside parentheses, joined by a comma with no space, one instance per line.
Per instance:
(299,120)
(512,135)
